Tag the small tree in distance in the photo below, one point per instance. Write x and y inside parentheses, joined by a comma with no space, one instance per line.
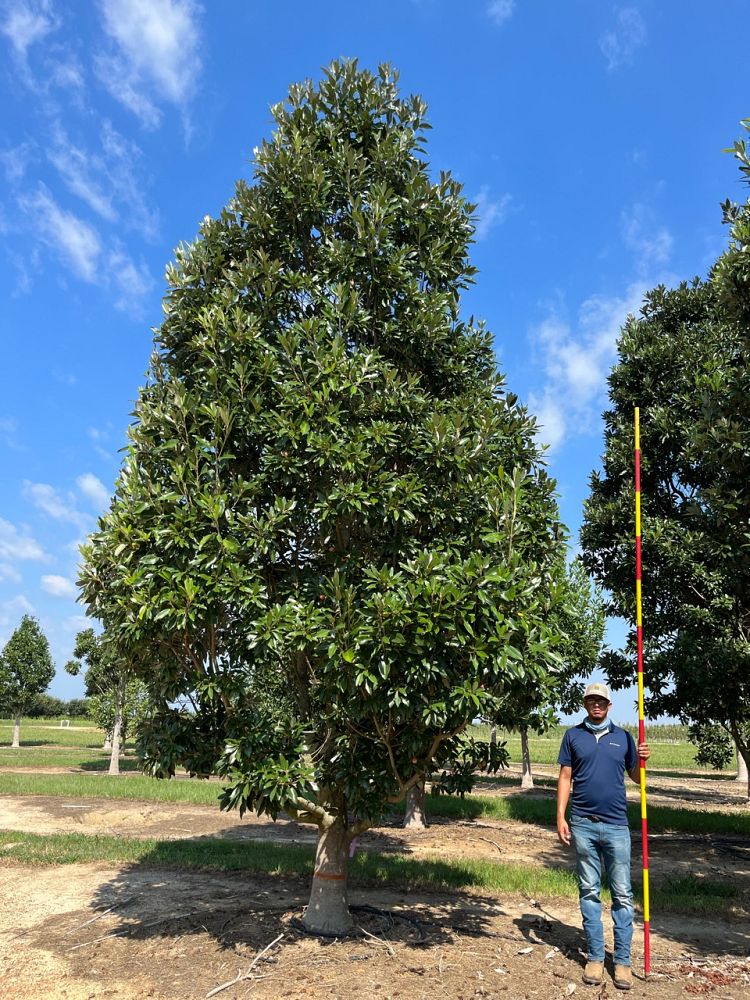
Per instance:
(318,485)
(26,669)
(575,619)
(118,700)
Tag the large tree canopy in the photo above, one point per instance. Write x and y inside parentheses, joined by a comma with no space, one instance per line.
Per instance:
(684,360)
(328,490)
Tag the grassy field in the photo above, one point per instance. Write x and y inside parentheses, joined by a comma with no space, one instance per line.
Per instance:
(534,811)
(683,895)
(544,750)
(666,755)
(79,748)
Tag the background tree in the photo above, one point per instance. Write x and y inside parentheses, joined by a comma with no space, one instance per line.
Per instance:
(26,669)
(575,619)
(317,484)
(118,701)
(684,360)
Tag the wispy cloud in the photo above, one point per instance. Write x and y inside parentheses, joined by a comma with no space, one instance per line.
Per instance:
(93,489)
(25,23)
(11,612)
(620,43)
(650,243)
(17,546)
(500,11)
(154,56)
(490,212)
(132,281)
(106,179)
(15,161)
(80,172)
(576,358)
(59,586)
(99,437)
(52,503)
(77,243)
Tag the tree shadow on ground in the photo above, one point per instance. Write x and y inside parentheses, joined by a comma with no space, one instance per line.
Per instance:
(102,764)
(165,911)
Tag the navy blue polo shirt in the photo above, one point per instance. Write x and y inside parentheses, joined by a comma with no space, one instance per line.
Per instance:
(599,771)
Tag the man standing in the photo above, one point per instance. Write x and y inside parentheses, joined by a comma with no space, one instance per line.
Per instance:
(594,757)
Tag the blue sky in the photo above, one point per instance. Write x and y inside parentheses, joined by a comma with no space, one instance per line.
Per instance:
(589,133)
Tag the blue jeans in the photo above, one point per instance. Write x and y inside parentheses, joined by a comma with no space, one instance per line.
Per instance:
(596,843)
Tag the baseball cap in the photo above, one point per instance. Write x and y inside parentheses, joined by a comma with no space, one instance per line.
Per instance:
(597,690)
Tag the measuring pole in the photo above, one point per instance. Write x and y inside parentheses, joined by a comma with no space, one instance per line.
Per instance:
(641,724)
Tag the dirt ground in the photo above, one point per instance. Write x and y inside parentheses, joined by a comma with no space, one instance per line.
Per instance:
(131,931)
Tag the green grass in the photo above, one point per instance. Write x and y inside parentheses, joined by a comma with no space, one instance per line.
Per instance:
(663,755)
(136,787)
(676,895)
(85,758)
(537,811)
(542,811)
(47,732)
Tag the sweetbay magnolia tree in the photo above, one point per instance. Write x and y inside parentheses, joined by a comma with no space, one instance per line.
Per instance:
(328,492)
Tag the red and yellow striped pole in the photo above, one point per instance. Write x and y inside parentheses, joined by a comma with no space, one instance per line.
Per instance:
(641,724)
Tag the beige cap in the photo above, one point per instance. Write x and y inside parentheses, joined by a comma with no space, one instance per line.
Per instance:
(597,690)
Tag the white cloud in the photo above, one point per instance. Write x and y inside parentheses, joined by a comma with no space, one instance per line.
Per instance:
(47,499)
(619,44)
(60,586)
(11,612)
(27,23)
(133,280)
(99,438)
(15,162)
(489,212)
(63,232)
(77,623)
(156,54)
(576,361)
(79,174)
(105,178)
(93,489)
(500,11)
(18,545)
(651,244)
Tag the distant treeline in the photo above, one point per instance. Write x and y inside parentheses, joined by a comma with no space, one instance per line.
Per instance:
(661,732)
(44,706)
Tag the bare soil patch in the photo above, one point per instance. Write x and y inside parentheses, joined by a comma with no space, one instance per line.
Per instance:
(89,931)
(132,931)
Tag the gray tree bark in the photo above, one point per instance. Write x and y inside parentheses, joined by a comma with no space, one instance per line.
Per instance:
(527,778)
(114,760)
(742,774)
(16,732)
(415,817)
(328,909)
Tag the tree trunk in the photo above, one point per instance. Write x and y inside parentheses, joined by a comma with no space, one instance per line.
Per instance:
(114,760)
(328,909)
(414,813)
(493,736)
(742,774)
(17,732)
(743,758)
(527,779)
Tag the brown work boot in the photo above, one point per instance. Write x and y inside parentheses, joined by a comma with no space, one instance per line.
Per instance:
(623,977)
(593,973)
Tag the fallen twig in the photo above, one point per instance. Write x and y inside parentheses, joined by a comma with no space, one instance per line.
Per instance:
(493,842)
(379,939)
(249,973)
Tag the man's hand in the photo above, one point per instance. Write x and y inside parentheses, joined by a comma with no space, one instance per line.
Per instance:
(643,751)
(563,832)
